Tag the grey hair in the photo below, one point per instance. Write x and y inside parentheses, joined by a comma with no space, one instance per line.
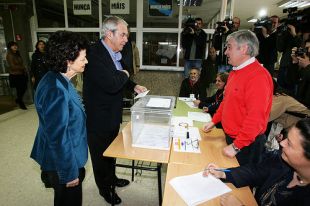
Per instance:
(110,24)
(246,37)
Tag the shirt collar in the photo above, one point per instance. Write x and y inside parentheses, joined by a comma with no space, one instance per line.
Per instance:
(244,64)
(115,55)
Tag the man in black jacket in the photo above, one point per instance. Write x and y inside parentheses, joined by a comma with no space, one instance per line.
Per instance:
(194,41)
(104,81)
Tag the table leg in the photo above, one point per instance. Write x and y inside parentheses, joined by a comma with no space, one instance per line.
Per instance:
(160,195)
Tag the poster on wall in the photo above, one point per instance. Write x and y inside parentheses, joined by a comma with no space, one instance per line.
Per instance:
(160,8)
(119,6)
(82,7)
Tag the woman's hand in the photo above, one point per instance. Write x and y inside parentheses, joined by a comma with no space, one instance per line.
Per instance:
(73,183)
(211,169)
(208,126)
(196,102)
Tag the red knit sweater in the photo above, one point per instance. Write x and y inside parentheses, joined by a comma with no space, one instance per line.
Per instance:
(246,106)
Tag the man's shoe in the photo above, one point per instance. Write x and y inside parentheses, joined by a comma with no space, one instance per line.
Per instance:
(107,195)
(121,182)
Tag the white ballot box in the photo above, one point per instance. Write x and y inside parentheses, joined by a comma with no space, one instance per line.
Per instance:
(151,122)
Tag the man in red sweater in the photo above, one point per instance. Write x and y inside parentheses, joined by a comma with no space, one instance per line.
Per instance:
(245,109)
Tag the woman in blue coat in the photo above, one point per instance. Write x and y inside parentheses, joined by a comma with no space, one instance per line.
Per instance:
(60,146)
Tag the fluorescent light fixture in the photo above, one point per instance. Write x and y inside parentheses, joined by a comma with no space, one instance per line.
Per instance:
(293,3)
(252,19)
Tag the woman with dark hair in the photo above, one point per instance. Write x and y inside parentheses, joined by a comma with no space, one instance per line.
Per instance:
(18,73)
(38,63)
(281,179)
(60,146)
(211,104)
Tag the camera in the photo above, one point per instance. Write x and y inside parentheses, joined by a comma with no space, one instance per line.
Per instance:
(263,22)
(189,25)
(299,19)
(300,52)
(220,25)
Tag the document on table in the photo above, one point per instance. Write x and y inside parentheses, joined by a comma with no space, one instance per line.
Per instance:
(186,99)
(191,104)
(159,103)
(199,116)
(195,189)
(176,121)
(186,145)
(181,132)
(143,94)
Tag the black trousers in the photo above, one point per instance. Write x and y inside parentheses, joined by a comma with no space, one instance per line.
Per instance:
(20,83)
(253,153)
(103,167)
(64,196)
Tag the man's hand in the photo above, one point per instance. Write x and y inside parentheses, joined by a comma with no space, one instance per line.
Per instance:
(73,183)
(211,169)
(229,151)
(208,126)
(139,89)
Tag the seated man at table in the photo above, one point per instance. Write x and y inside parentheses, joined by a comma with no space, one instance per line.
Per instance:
(281,179)
(192,85)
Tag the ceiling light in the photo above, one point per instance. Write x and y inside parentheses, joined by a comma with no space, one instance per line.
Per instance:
(252,19)
(262,13)
(293,3)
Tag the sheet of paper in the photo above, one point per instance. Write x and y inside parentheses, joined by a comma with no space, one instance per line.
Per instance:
(195,189)
(186,145)
(186,99)
(176,121)
(181,132)
(143,94)
(159,103)
(191,104)
(199,116)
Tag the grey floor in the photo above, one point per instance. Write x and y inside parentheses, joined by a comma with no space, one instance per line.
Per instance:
(20,182)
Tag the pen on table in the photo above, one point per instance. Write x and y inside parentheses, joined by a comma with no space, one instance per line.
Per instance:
(187,134)
(219,169)
(179,143)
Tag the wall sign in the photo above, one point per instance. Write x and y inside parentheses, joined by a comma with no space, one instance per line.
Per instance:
(160,8)
(119,6)
(82,7)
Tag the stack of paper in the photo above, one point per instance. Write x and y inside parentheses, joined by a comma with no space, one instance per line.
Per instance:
(199,116)
(195,189)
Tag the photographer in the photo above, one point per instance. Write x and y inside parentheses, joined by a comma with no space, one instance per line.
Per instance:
(300,57)
(266,32)
(289,36)
(223,29)
(194,41)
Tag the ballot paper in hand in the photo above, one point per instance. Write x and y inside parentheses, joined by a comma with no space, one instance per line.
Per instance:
(195,189)
(142,94)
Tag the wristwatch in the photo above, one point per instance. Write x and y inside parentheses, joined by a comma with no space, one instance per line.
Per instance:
(235,148)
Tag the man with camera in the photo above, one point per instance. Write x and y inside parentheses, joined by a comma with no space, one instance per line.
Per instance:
(266,32)
(300,58)
(194,41)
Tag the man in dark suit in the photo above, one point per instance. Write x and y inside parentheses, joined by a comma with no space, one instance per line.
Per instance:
(104,81)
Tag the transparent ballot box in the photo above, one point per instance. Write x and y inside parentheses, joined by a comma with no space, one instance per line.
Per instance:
(151,122)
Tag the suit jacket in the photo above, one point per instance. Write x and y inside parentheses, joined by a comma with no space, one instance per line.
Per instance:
(61,142)
(103,91)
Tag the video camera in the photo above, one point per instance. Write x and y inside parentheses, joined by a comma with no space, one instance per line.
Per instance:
(299,19)
(220,28)
(189,25)
(263,22)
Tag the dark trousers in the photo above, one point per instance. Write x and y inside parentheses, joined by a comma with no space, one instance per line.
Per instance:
(103,167)
(252,153)
(20,83)
(64,196)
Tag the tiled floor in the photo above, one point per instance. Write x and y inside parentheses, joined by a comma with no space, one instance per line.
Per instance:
(20,176)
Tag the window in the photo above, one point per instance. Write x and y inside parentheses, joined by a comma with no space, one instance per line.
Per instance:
(50,14)
(89,21)
(159,48)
